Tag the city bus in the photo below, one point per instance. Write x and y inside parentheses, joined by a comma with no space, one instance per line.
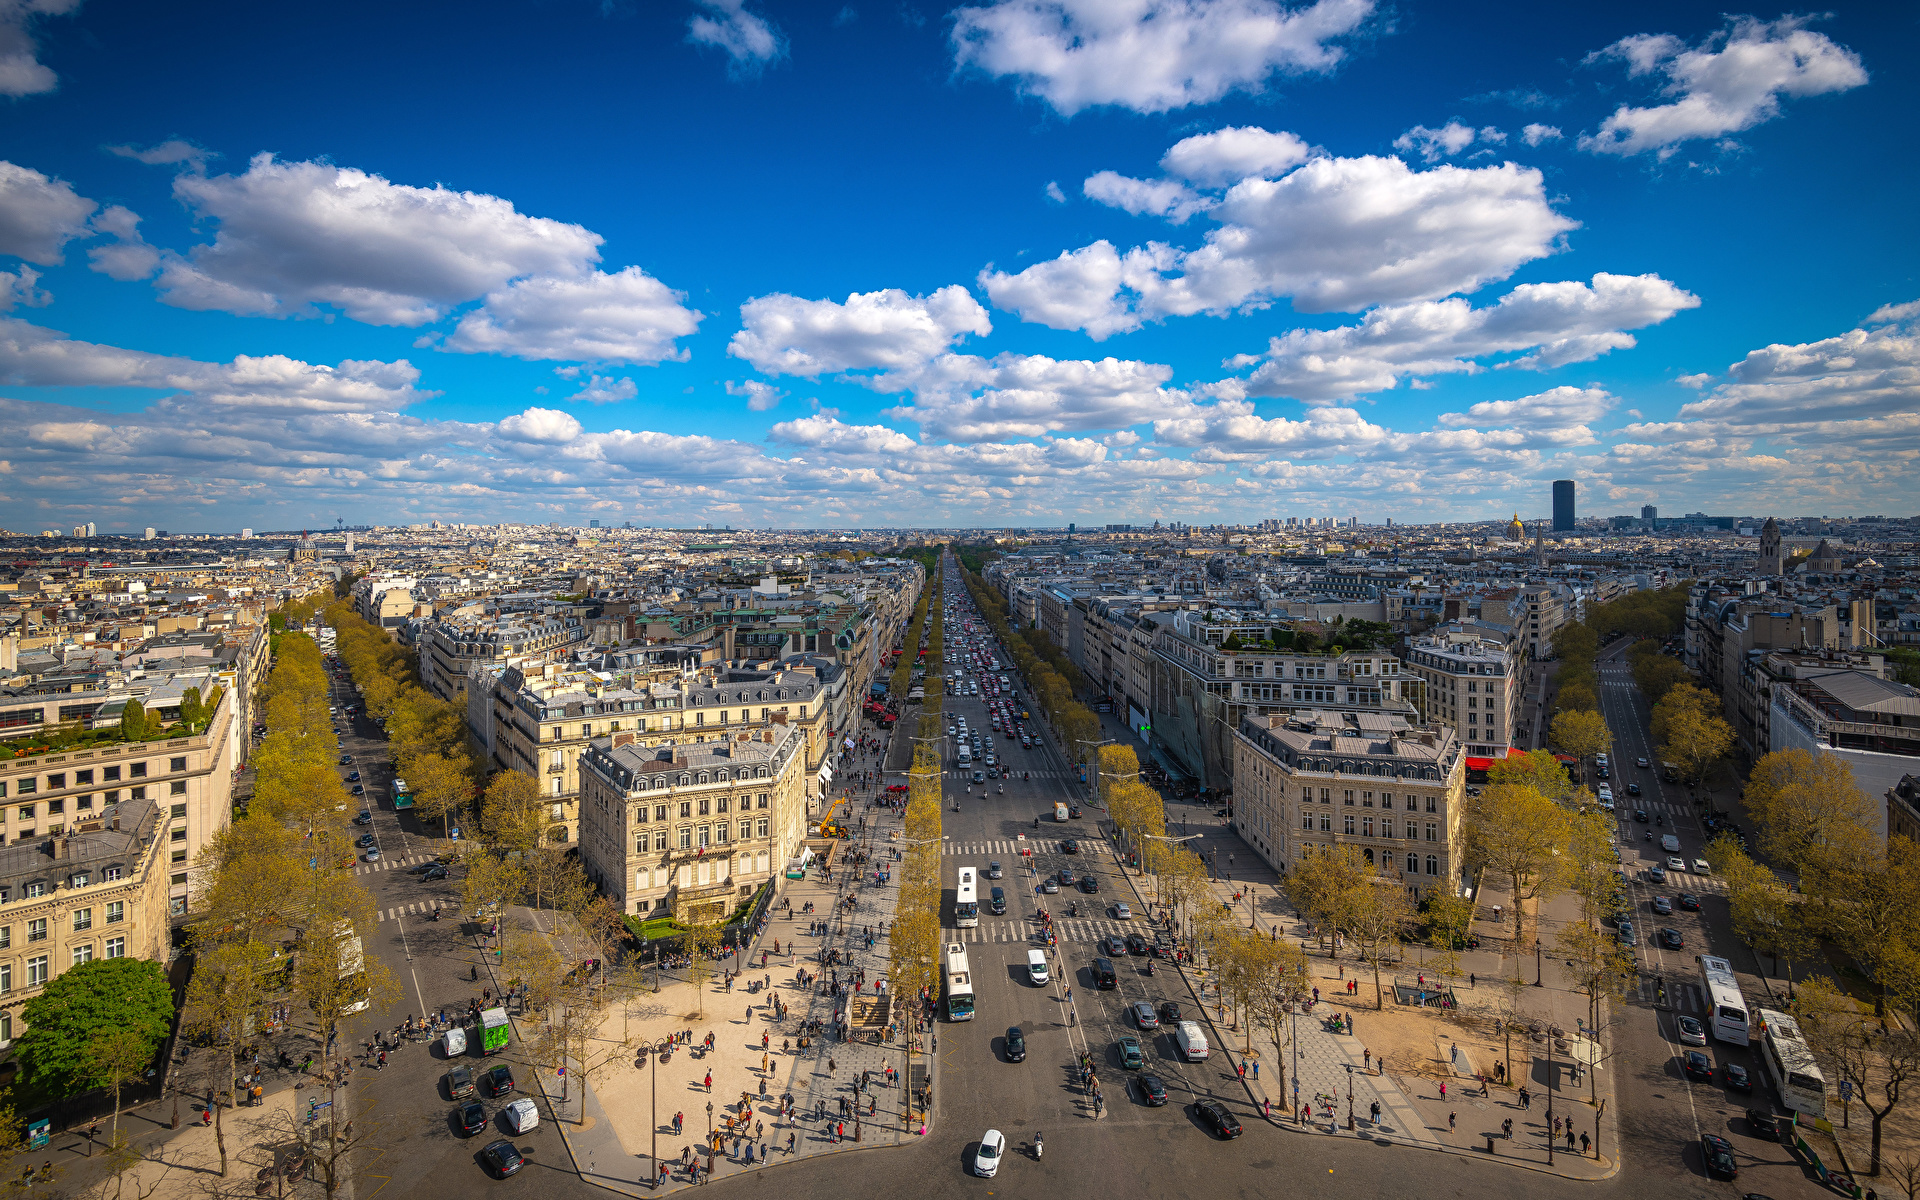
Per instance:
(1726,1007)
(966,901)
(1790,1066)
(402,795)
(959,984)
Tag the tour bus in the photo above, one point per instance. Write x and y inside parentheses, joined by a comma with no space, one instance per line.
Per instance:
(352,959)
(959,984)
(1726,1008)
(1790,1066)
(966,901)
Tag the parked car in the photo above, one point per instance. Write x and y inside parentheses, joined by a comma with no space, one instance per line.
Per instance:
(459,1083)
(502,1158)
(499,1080)
(471,1117)
(1215,1116)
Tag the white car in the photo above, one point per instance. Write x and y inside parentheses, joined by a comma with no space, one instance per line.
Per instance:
(993,1145)
(1676,864)
(522,1115)
(1121,912)
(1691,1032)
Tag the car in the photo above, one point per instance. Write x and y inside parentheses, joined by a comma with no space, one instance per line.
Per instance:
(1718,1153)
(1070,846)
(1050,885)
(1104,976)
(521,1115)
(1627,936)
(1698,1066)
(471,1117)
(1132,1058)
(1066,877)
(1016,1044)
(1676,863)
(1642,763)
(1215,1116)
(1670,939)
(979,776)
(1640,815)
(1762,1125)
(359,789)
(986,1161)
(1121,912)
(366,839)
(345,759)
(1601,773)
(499,1080)
(364,817)
(353,777)
(1073,811)
(1688,901)
(1656,875)
(1662,905)
(1691,1033)
(1090,884)
(459,1083)
(995,871)
(1633,789)
(1169,1012)
(372,855)
(1136,944)
(1735,1077)
(1153,1090)
(1113,944)
(434,871)
(1143,1017)
(502,1158)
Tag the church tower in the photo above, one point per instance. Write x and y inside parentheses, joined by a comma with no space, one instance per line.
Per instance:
(1770,559)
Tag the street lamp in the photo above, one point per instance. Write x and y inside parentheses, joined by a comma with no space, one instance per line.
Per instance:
(652,1055)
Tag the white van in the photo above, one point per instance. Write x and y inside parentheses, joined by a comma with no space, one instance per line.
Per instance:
(1037,968)
(456,1041)
(1059,810)
(1670,843)
(1190,1041)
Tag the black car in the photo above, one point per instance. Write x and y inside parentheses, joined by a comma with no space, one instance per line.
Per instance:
(1169,1013)
(1069,847)
(1104,976)
(1688,901)
(436,871)
(1073,812)
(353,777)
(499,1080)
(1719,1155)
(1136,944)
(1640,815)
(1762,1125)
(1670,939)
(1699,1066)
(363,817)
(472,1117)
(1735,1077)
(1016,1044)
(1090,885)
(502,1158)
(1633,789)
(1153,1090)
(365,840)
(1215,1115)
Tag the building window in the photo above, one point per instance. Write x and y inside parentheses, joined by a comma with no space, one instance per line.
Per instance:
(660,839)
(659,812)
(178,856)
(746,830)
(704,836)
(25,813)
(176,764)
(37,929)
(704,807)
(110,874)
(1366,799)
(1433,831)
(1430,804)
(116,911)
(1433,865)
(686,837)
(83,953)
(1306,818)
(1348,824)
(82,919)
(6,978)
(1386,827)
(116,947)
(37,971)
(137,770)
(178,835)
(686,808)
(763,798)
(720,832)
(1349,798)
(1366,827)
(760,827)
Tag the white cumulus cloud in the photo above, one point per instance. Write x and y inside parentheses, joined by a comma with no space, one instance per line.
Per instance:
(21,71)
(1167,198)
(1237,152)
(547,426)
(624,317)
(1150,55)
(1337,234)
(1732,81)
(38,215)
(970,399)
(750,40)
(1537,134)
(1450,139)
(788,335)
(760,396)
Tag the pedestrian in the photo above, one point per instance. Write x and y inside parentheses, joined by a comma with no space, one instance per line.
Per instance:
(1585,1142)
(1443,1093)
(1373,1112)
(708,1081)
(1451,1118)
(1366,1058)
(1506,1128)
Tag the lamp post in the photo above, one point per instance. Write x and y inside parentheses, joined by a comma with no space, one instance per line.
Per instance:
(651,1055)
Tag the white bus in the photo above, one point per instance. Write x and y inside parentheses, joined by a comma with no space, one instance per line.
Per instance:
(966,901)
(1726,1008)
(959,984)
(1790,1067)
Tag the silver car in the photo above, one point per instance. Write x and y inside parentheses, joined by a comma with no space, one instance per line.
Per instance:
(1121,912)
(1692,1033)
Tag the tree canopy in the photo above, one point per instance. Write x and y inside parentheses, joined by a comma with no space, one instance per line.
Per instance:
(108,993)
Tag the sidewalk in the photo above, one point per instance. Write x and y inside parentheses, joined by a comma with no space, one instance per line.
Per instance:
(611,1126)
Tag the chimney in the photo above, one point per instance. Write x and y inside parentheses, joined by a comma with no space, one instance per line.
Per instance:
(60,847)
(622,739)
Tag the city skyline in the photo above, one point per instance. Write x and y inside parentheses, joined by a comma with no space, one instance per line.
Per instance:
(845,266)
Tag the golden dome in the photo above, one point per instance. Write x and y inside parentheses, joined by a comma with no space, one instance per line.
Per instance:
(1516,532)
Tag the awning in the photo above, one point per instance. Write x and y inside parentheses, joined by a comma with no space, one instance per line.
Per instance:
(826,772)
(1478,764)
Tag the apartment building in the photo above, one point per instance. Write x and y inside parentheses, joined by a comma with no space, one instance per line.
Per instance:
(1307,782)
(690,830)
(189,779)
(450,649)
(96,889)
(1474,679)
(1843,705)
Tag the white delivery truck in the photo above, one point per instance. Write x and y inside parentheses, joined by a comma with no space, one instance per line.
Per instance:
(1190,1041)
(1059,810)
(1037,967)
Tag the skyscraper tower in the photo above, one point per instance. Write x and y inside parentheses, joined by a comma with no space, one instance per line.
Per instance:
(1563,506)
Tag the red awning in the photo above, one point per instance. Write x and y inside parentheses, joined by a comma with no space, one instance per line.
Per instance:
(1478,764)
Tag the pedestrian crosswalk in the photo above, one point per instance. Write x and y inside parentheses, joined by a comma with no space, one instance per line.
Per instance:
(1016,930)
(967,773)
(421,907)
(1680,997)
(1044,844)
(388,864)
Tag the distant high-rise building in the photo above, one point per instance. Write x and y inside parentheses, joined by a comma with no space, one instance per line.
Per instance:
(349,543)
(1772,557)
(245,534)
(79,531)
(93,529)
(1563,506)
(1650,516)
(594,523)
(149,533)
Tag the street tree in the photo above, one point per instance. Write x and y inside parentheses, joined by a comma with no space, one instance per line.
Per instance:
(1319,887)
(1693,740)
(1376,918)
(1811,814)
(1537,769)
(1245,965)
(1872,909)
(1881,1067)
(118,1057)
(701,940)
(224,1004)
(1599,967)
(442,786)
(1449,920)
(128,994)
(513,815)
(1766,916)
(1581,734)
(1518,833)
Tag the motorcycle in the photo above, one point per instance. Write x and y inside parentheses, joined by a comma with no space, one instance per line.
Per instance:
(1649,836)
(1001,789)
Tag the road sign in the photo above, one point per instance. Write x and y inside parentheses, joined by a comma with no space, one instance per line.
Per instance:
(1846,1089)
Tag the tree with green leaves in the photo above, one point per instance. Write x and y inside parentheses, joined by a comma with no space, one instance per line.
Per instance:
(133,721)
(1581,734)
(190,715)
(108,993)
(224,1005)
(1517,832)
(1811,814)
(115,1058)
(1880,1066)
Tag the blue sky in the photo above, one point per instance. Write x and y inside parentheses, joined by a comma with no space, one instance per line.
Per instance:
(1012,262)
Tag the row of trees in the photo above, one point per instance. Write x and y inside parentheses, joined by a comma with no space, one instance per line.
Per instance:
(913,970)
(910,649)
(1049,674)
